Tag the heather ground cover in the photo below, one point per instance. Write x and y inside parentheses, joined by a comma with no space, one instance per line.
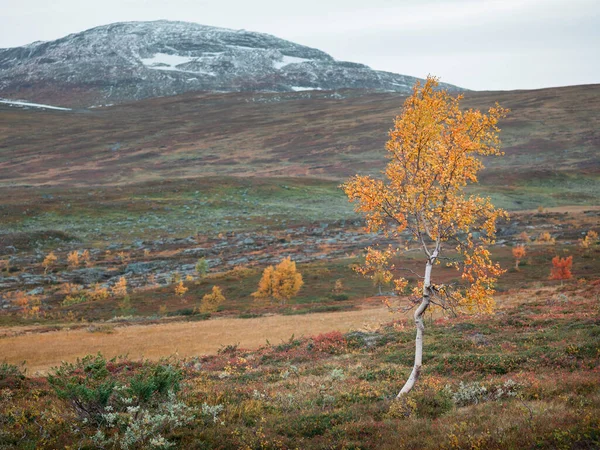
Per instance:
(526,377)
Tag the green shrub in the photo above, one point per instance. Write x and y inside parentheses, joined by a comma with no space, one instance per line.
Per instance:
(339,297)
(154,383)
(87,385)
(11,376)
(432,404)
(126,405)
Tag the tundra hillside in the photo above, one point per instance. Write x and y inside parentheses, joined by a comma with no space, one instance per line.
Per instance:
(136,230)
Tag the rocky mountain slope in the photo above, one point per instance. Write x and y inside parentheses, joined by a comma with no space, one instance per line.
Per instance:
(129,61)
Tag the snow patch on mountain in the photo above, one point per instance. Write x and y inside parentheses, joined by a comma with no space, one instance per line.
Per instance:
(164,61)
(305,88)
(285,60)
(32,105)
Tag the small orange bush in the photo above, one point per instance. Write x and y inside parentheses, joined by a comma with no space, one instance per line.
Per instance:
(519,253)
(561,268)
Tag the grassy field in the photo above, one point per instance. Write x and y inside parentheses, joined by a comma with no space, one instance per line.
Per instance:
(180,208)
(42,351)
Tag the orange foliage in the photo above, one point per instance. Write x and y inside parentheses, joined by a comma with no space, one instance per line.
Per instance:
(30,304)
(546,238)
(590,240)
(85,257)
(434,153)
(519,253)
(180,289)
(49,261)
(561,268)
(73,259)
(120,288)
(69,288)
(211,302)
(122,257)
(280,283)
(98,292)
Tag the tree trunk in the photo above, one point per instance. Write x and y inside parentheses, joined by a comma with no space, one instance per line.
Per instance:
(419,313)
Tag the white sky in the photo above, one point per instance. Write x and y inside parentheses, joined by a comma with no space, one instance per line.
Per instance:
(477,44)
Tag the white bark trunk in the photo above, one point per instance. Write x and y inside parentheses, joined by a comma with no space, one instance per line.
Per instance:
(419,313)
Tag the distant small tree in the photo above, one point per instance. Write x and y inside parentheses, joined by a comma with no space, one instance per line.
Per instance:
(519,253)
(30,304)
(49,261)
(162,310)
(85,258)
(338,287)
(211,302)
(561,268)
(119,289)
(266,284)
(125,306)
(524,237)
(546,238)
(590,240)
(381,278)
(180,289)
(202,267)
(73,259)
(122,257)
(98,292)
(280,283)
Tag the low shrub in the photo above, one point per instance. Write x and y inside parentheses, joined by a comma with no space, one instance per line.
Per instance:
(431,404)
(475,392)
(11,376)
(129,405)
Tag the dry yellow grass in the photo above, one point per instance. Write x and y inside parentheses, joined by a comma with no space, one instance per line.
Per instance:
(42,351)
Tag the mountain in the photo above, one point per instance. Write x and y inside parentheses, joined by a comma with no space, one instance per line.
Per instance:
(129,61)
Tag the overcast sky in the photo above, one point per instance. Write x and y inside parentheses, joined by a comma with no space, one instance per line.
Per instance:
(477,44)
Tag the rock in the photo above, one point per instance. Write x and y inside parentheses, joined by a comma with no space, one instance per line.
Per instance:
(364,340)
(479,339)
(248,241)
(36,291)
(88,275)
(144,267)
(238,261)
(198,251)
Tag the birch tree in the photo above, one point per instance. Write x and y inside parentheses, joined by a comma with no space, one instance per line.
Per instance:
(434,152)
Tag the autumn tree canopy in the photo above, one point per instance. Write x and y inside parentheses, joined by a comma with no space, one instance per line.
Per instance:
(519,253)
(211,302)
(434,152)
(561,268)
(280,283)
